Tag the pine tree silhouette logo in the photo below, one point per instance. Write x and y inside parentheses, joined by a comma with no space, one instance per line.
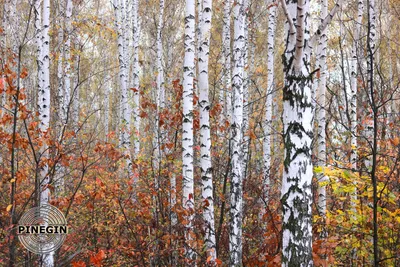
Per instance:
(43,229)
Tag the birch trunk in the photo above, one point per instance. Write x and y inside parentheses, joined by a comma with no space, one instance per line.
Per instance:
(44,96)
(372,126)
(44,112)
(321,114)
(296,192)
(245,125)
(136,73)
(158,135)
(371,43)
(61,112)
(353,96)
(226,42)
(160,69)
(189,73)
(125,111)
(60,70)
(205,135)
(268,102)
(236,197)
(68,59)
(39,45)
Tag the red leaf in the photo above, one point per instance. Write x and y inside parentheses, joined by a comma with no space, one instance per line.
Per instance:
(98,258)
(78,264)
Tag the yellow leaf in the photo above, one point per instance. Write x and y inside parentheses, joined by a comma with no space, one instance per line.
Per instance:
(318,169)
(9,207)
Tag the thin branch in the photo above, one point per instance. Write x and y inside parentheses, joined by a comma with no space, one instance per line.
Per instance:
(325,23)
(288,17)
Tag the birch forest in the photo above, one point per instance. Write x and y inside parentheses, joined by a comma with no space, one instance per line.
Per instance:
(202,132)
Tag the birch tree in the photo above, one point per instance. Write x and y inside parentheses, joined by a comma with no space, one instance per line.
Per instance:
(136,73)
(373,126)
(125,108)
(321,114)
(60,69)
(160,69)
(44,108)
(68,59)
(245,123)
(226,95)
(236,194)
(44,93)
(296,192)
(159,133)
(268,102)
(353,86)
(205,135)
(187,126)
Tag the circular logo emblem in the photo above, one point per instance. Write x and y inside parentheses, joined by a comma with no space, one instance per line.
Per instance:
(42,229)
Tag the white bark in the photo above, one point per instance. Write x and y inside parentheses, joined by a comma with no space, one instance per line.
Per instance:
(68,59)
(44,93)
(245,125)
(227,78)
(126,18)
(369,129)
(353,97)
(321,114)
(125,109)
(158,133)
(296,192)
(61,112)
(205,135)
(60,70)
(160,69)
(38,41)
(136,73)
(236,198)
(44,108)
(268,102)
(187,125)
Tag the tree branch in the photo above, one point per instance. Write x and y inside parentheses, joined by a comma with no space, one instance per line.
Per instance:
(300,19)
(288,17)
(325,22)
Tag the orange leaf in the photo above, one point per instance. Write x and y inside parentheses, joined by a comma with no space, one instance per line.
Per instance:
(98,258)
(209,259)
(396,141)
(78,264)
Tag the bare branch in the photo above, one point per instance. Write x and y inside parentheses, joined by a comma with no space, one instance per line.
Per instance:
(325,22)
(288,17)
(300,18)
